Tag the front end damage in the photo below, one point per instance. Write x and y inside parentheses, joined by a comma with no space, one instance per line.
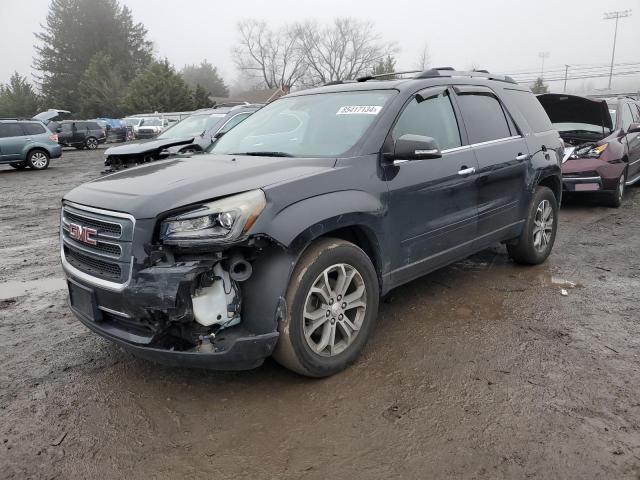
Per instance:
(134,154)
(216,310)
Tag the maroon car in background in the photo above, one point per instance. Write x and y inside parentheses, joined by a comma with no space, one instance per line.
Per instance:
(602,139)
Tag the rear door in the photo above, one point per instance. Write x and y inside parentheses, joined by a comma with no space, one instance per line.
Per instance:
(503,159)
(432,205)
(12,141)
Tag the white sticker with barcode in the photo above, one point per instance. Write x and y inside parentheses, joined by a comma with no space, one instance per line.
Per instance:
(359,110)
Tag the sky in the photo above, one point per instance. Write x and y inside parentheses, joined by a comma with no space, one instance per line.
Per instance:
(500,36)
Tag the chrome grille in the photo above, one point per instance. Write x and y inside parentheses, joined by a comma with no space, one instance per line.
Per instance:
(106,259)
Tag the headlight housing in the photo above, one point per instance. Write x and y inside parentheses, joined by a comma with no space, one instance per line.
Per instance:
(220,221)
(595,152)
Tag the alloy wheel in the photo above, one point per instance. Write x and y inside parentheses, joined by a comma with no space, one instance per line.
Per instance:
(334,310)
(38,160)
(543,226)
(92,143)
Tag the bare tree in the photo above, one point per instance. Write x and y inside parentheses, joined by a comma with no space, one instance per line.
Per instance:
(271,56)
(344,50)
(424,58)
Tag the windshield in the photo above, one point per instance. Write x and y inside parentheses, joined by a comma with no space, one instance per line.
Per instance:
(321,125)
(192,126)
(151,122)
(132,122)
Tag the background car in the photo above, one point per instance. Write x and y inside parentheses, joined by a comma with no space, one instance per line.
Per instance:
(603,143)
(81,134)
(116,129)
(149,127)
(193,134)
(27,144)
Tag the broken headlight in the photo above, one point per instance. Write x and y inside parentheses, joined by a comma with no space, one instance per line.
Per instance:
(221,220)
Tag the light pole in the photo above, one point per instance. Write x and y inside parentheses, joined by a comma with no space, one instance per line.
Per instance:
(543,55)
(617,15)
(566,72)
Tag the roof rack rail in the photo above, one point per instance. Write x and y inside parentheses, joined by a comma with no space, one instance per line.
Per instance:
(366,78)
(450,72)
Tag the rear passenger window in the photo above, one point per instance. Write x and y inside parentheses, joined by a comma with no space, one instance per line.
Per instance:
(634,112)
(531,110)
(10,130)
(483,116)
(433,117)
(33,129)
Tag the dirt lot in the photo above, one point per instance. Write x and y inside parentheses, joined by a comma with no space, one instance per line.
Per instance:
(480,370)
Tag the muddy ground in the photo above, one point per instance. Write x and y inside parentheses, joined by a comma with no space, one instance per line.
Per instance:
(481,370)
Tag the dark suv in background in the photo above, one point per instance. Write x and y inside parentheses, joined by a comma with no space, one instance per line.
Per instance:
(27,144)
(282,238)
(80,134)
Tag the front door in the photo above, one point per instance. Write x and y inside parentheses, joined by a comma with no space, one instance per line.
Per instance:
(633,140)
(503,160)
(432,203)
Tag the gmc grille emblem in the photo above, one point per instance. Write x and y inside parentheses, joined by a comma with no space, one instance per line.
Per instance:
(83,234)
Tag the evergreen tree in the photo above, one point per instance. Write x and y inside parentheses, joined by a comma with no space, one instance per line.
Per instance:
(539,86)
(385,65)
(158,88)
(101,89)
(74,33)
(18,99)
(201,98)
(207,76)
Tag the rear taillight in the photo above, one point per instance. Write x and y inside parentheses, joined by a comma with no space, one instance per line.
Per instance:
(54,137)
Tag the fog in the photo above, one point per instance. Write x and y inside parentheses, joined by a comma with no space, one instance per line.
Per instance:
(500,36)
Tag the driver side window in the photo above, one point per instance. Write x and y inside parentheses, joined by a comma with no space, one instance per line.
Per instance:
(433,117)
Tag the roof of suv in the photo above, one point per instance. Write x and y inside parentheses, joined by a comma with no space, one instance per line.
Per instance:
(436,76)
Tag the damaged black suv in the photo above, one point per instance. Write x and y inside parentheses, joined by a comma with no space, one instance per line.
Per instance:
(281,239)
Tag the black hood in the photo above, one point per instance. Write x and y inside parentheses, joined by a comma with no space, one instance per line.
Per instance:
(146,147)
(151,189)
(563,108)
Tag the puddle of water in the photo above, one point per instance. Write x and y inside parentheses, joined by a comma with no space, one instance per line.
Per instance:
(14,289)
(562,283)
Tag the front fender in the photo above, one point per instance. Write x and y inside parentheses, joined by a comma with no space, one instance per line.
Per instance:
(310,218)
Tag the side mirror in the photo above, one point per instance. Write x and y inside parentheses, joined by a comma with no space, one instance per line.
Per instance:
(634,128)
(416,147)
(218,135)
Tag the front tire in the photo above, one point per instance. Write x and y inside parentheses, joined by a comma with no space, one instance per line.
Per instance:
(539,233)
(614,199)
(38,160)
(333,304)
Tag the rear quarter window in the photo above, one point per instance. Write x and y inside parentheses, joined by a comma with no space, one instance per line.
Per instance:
(531,109)
(33,129)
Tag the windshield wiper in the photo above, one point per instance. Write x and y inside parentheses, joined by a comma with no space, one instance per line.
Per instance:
(265,154)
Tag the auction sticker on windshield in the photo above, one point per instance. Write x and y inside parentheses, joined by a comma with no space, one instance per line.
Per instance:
(359,109)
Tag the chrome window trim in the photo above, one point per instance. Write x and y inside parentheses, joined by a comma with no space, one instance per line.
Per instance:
(90,279)
(480,144)
(634,162)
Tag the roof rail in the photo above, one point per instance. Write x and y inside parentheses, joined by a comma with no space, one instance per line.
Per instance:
(450,72)
(388,74)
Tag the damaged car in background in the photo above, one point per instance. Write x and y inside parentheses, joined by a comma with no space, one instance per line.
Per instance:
(193,134)
(602,138)
(282,238)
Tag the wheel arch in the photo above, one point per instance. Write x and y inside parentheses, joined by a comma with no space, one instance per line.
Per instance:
(554,184)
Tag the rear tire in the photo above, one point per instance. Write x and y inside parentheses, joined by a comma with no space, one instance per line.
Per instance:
(333,299)
(38,160)
(539,233)
(91,143)
(614,199)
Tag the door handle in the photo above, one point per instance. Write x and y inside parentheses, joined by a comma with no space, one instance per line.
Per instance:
(466,171)
(522,157)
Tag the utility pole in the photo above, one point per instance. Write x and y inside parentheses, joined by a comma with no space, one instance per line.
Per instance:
(617,15)
(543,55)
(566,71)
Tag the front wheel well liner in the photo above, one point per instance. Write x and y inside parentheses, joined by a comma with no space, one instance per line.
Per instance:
(554,184)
